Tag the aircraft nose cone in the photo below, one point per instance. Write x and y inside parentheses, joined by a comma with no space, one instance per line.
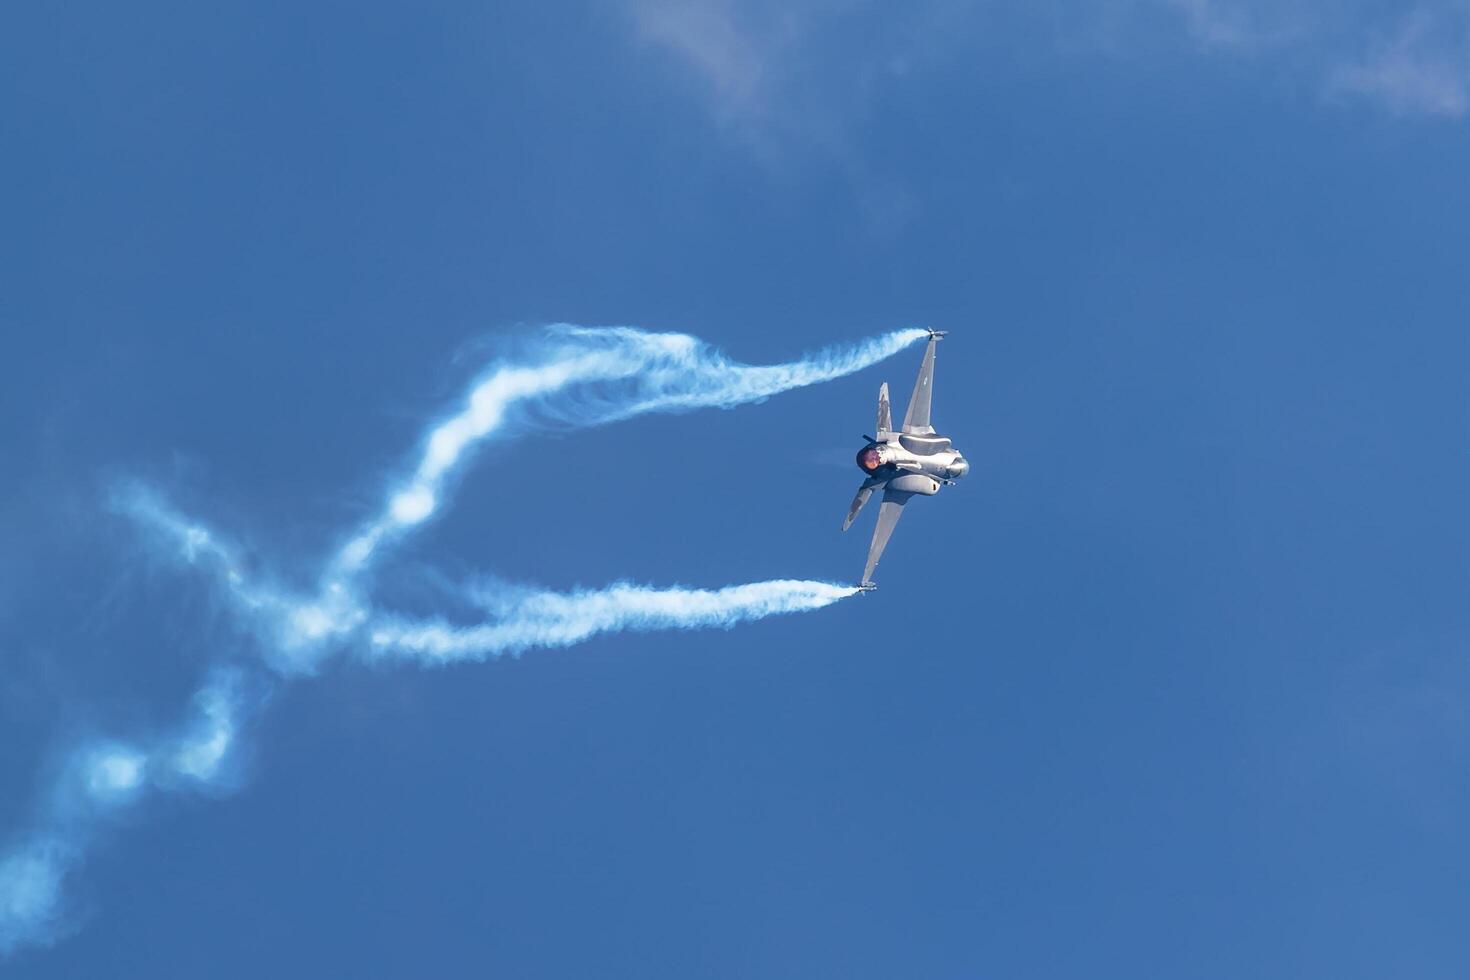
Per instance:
(959,467)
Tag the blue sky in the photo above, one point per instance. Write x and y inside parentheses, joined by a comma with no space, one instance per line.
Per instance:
(1173,685)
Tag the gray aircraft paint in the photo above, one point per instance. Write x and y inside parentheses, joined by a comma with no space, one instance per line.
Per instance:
(912,461)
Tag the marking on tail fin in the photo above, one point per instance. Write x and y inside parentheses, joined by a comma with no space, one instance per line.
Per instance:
(885,414)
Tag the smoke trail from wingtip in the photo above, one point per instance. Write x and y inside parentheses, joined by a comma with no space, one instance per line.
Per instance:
(592,376)
(579,377)
(555,619)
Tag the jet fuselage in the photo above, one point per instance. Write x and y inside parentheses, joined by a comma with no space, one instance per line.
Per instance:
(929,458)
(910,460)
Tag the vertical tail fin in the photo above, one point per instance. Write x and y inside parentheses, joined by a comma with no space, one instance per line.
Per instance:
(885,415)
(916,421)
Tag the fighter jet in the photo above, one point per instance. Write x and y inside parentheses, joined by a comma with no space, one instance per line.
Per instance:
(913,460)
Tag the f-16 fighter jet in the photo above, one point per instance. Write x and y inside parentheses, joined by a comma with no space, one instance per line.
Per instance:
(913,460)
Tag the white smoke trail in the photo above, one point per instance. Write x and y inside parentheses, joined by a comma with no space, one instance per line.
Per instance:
(592,376)
(101,780)
(294,630)
(581,377)
(554,619)
(30,891)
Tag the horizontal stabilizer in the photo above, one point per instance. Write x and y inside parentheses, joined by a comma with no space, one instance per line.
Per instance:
(864,492)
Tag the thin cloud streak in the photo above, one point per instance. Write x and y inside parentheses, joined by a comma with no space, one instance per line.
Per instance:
(733,59)
(1423,68)
(762,68)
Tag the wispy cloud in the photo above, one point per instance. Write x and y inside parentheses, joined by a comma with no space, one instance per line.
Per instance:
(733,52)
(787,83)
(1411,60)
(798,75)
(1421,67)
(1228,25)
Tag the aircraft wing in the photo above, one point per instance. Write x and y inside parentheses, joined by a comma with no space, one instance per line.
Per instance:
(888,514)
(916,419)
